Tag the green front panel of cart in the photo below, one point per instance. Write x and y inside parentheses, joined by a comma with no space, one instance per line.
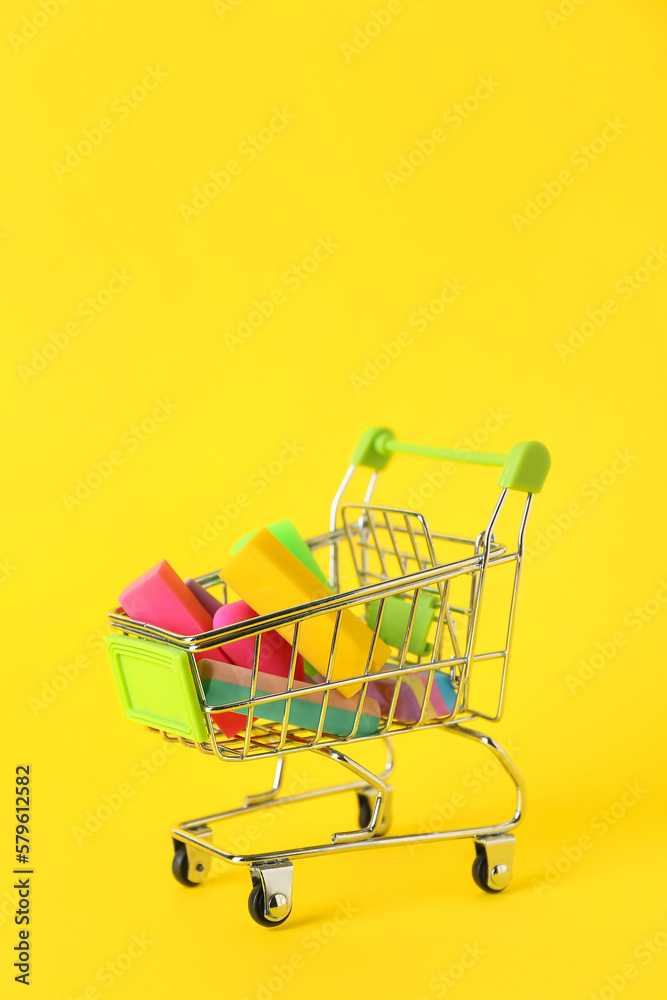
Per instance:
(156,687)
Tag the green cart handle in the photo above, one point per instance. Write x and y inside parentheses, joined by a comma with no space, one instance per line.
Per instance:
(524,468)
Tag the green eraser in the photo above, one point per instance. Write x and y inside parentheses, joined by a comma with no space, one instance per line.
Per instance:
(287,533)
(309,670)
(395,619)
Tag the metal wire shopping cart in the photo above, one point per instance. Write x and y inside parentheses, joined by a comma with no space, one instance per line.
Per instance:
(420,591)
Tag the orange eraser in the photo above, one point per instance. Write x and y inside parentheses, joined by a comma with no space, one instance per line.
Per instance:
(269,578)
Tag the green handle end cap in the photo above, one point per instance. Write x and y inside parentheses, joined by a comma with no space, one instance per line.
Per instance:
(526,467)
(371,450)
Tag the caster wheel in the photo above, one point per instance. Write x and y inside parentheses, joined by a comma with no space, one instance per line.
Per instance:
(256,908)
(480,874)
(180,866)
(365,813)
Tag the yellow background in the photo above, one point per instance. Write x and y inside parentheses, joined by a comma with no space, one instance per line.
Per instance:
(162,338)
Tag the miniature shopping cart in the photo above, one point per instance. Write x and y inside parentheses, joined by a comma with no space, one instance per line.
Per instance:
(419,591)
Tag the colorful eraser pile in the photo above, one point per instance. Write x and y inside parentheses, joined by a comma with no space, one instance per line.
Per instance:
(270,578)
(271,570)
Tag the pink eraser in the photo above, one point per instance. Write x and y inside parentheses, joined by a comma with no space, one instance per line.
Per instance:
(275,652)
(205,597)
(159,597)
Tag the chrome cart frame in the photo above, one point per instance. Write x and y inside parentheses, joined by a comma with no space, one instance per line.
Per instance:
(393,555)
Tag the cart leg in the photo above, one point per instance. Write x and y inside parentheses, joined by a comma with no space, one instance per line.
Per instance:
(493,866)
(253,800)
(270,900)
(375,800)
(367,799)
(505,762)
(191,865)
(368,796)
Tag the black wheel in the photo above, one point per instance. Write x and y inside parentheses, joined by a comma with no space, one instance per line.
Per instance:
(179,866)
(256,908)
(480,873)
(365,812)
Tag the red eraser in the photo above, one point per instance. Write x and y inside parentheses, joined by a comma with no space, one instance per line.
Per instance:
(230,723)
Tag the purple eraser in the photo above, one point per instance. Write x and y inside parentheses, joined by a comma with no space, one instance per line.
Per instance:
(205,598)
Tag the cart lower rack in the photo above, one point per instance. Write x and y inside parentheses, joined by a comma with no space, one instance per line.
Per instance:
(420,595)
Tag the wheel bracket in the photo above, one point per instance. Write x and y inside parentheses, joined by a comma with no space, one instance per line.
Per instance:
(499,852)
(199,862)
(276,881)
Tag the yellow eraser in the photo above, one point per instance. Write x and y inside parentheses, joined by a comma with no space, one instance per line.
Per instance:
(266,575)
